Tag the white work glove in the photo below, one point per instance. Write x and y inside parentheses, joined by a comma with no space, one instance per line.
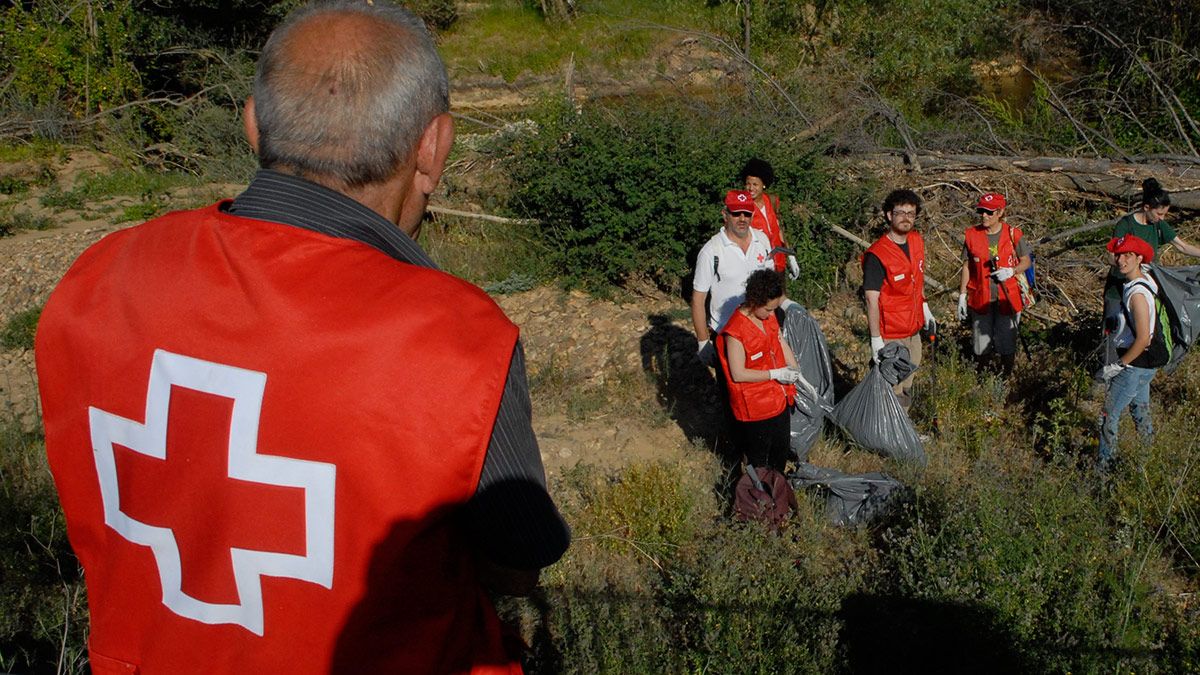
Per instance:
(804,386)
(876,345)
(1003,274)
(706,352)
(793,268)
(930,322)
(962,306)
(784,375)
(1110,371)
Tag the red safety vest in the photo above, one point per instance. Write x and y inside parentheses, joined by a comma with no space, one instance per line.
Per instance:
(769,225)
(262,438)
(979,293)
(903,291)
(754,401)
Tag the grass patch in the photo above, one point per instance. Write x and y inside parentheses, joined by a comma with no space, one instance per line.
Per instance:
(510,37)
(501,257)
(14,221)
(151,187)
(42,603)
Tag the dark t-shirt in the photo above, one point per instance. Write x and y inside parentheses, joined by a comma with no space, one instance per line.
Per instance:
(1156,235)
(873,272)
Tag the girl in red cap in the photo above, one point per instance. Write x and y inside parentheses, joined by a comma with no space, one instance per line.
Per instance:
(1141,351)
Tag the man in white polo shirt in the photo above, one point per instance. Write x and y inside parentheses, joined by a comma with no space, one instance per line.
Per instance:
(722,267)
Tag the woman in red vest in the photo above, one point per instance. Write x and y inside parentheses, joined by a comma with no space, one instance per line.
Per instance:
(758,175)
(995,254)
(761,371)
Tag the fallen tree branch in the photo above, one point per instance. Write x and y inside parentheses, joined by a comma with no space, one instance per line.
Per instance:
(1116,180)
(481,216)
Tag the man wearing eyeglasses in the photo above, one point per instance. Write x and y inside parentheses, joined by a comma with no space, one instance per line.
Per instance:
(894,284)
(994,255)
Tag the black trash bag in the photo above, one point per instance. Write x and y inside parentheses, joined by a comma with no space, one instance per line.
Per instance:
(872,416)
(849,499)
(814,396)
(1179,289)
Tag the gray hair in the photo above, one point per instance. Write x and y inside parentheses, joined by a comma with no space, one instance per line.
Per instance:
(352,117)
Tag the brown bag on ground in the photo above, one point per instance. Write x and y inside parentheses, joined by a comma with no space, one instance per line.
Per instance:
(763,495)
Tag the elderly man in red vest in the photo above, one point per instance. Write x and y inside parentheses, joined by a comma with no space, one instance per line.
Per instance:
(994,255)
(276,447)
(894,284)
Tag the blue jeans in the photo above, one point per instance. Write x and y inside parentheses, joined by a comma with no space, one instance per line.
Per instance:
(1131,387)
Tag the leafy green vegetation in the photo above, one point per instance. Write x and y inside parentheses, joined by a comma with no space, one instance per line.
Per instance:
(14,220)
(19,330)
(151,187)
(634,189)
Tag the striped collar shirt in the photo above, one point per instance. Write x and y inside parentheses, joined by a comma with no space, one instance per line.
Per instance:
(280,198)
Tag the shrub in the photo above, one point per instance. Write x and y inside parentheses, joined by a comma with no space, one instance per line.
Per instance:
(634,189)
(18,333)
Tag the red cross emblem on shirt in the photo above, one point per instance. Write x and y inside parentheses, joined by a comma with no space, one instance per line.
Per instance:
(280,476)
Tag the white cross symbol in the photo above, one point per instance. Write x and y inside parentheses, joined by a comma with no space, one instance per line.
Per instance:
(246,388)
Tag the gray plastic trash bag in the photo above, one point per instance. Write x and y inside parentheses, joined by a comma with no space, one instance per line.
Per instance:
(895,363)
(872,416)
(1181,287)
(850,499)
(807,341)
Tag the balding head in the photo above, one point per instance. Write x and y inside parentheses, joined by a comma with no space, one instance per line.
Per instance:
(344,90)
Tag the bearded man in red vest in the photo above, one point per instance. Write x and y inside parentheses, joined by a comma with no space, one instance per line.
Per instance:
(894,284)
(994,255)
(276,446)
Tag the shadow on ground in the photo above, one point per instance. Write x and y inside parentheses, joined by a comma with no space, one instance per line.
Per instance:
(686,388)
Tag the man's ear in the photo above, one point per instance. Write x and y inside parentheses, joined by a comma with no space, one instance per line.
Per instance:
(250,124)
(432,151)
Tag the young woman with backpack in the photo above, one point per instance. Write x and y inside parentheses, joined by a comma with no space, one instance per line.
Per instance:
(1140,346)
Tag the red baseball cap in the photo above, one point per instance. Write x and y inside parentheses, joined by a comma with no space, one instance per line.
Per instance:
(1131,244)
(992,201)
(739,200)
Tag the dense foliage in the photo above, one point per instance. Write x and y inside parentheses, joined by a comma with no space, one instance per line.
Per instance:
(634,189)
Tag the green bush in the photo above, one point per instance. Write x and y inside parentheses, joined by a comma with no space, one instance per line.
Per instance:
(18,333)
(79,58)
(632,190)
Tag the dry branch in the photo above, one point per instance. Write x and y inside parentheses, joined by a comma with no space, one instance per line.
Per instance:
(1116,180)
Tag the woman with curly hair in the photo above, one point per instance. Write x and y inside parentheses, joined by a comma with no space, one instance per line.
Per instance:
(761,371)
(758,175)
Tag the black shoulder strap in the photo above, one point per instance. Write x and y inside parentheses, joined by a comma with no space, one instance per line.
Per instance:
(1153,306)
